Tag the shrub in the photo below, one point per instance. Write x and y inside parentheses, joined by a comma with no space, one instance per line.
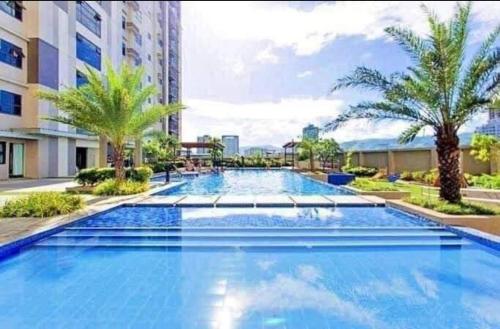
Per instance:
(462,208)
(141,174)
(111,187)
(431,176)
(486,181)
(419,176)
(406,176)
(373,185)
(93,176)
(42,204)
(362,171)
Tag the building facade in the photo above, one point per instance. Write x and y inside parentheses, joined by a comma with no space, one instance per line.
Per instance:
(45,45)
(492,127)
(231,145)
(310,132)
(202,139)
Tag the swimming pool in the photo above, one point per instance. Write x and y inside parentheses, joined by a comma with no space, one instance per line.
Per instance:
(156,267)
(253,182)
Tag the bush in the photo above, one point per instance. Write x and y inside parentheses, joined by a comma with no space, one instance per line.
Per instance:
(111,187)
(485,181)
(462,208)
(419,176)
(406,176)
(365,184)
(93,176)
(141,174)
(42,204)
(431,176)
(362,171)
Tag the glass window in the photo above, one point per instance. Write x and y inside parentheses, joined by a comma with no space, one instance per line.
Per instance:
(11,54)
(10,103)
(138,39)
(13,8)
(88,52)
(88,17)
(81,79)
(3,151)
(124,49)
(149,57)
(124,23)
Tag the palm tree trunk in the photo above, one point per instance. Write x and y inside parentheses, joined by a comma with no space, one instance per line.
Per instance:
(311,160)
(448,150)
(118,158)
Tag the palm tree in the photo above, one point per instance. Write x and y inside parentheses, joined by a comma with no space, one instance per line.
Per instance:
(168,144)
(437,91)
(309,146)
(110,106)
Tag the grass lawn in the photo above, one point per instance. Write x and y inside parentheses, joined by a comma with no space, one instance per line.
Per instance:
(426,197)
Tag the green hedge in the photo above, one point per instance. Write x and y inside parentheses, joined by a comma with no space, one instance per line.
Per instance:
(111,187)
(361,171)
(485,181)
(438,205)
(42,204)
(93,176)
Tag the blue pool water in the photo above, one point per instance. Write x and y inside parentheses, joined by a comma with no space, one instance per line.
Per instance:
(156,267)
(253,182)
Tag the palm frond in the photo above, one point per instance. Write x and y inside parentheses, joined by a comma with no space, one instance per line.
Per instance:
(409,134)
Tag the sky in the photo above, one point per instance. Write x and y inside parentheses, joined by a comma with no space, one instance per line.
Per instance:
(263,70)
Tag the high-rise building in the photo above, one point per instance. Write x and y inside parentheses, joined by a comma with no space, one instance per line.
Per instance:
(310,132)
(202,139)
(492,127)
(45,45)
(231,145)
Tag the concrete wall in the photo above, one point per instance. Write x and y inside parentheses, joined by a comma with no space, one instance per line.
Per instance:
(397,161)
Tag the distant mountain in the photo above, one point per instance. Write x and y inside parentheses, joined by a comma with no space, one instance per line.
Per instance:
(267,147)
(382,144)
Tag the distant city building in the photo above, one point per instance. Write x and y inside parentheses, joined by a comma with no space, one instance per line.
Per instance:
(254,151)
(202,139)
(493,125)
(310,132)
(231,145)
(262,151)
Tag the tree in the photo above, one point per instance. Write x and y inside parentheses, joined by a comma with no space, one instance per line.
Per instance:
(160,146)
(309,146)
(484,147)
(327,150)
(112,106)
(438,91)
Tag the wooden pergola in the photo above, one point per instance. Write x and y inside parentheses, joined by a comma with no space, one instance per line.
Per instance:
(292,145)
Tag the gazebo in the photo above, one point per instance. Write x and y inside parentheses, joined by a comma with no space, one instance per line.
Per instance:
(292,145)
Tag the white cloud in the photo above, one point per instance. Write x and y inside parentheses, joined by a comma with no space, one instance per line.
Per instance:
(276,123)
(267,56)
(304,74)
(307,32)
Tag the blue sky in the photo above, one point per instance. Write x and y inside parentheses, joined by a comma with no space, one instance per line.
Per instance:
(263,70)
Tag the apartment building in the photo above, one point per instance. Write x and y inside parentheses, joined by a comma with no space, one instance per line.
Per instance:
(45,45)
(231,145)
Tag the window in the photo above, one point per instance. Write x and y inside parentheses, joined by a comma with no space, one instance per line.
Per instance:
(138,39)
(149,78)
(10,103)
(124,49)
(88,17)
(11,54)
(80,79)
(124,23)
(149,57)
(13,8)
(149,36)
(160,43)
(3,151)
(88,52)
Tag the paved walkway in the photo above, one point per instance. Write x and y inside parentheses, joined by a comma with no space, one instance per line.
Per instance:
(35,185)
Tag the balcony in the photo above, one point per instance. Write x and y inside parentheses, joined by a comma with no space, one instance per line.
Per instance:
(133,53)
(132,26)
(134,5)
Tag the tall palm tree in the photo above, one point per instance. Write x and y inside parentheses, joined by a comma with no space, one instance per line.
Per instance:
(111,106)
(437,91)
